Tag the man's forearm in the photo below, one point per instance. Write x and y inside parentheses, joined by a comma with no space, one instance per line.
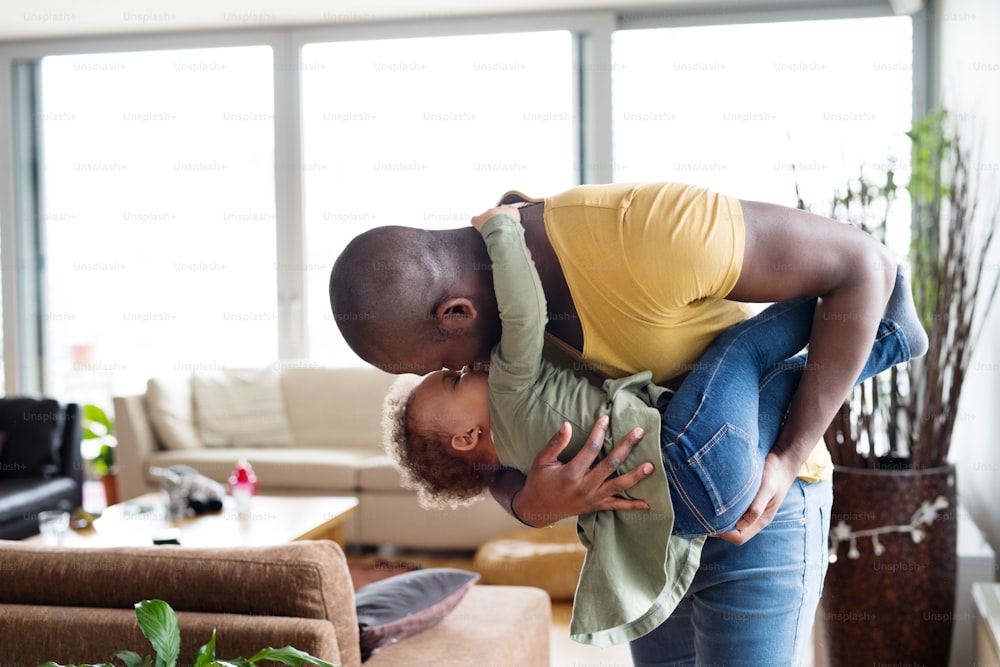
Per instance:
(844,329)
(506,490)
(505,486)
(791,253)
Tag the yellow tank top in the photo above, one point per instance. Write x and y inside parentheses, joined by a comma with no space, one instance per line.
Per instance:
(649,266)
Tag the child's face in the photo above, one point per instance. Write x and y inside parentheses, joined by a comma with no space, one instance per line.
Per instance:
(457,401)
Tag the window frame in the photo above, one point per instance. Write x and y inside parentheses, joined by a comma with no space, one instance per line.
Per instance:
(591,73)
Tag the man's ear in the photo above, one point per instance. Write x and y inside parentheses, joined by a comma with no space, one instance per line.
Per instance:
(456,312)
(466,442)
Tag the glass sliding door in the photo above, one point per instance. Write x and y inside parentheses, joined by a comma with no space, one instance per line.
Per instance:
(754,109)
(425,132)
(158,215)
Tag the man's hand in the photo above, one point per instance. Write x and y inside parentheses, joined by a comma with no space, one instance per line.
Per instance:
(555,490)
(777,478)
(480,220)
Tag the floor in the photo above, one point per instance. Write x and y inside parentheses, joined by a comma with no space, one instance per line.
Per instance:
(568,653)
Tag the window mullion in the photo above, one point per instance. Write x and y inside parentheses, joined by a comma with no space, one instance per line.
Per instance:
(593,88)
(289,242)
(22,248)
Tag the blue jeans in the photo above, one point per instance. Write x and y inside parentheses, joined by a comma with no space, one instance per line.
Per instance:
(720,425)
(751,605)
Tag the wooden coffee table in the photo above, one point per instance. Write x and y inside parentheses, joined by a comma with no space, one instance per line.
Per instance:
(271,520)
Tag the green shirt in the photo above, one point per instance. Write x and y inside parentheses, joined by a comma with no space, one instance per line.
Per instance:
(635,572)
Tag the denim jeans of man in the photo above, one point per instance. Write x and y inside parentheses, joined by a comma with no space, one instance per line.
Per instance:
(753,604)
(722,422)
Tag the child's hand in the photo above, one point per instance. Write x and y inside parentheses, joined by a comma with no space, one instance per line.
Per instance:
(480,220)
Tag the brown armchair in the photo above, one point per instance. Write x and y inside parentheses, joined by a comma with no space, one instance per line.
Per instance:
(76,604)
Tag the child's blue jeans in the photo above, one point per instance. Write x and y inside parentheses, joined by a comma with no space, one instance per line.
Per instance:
(719,426)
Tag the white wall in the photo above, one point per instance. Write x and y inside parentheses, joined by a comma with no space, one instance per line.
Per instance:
(970,89)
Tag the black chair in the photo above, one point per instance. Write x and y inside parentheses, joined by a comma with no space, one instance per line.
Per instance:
(40,463)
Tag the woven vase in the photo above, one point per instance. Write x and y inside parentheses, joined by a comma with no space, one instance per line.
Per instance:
(889,596)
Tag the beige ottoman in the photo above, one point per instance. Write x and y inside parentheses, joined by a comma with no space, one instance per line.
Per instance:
(547,558)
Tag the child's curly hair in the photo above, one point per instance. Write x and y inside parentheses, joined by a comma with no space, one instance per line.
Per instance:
(423,454)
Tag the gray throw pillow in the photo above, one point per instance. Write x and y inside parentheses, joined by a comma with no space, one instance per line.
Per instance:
(408,603)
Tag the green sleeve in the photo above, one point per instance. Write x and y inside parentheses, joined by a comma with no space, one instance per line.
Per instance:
(516,360)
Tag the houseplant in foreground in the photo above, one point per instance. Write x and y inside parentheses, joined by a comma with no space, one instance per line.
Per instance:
(158,623)
(889,593)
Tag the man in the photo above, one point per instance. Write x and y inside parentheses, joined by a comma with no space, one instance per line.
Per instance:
(643,276)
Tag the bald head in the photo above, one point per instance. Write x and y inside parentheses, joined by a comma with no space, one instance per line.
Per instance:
(410,300)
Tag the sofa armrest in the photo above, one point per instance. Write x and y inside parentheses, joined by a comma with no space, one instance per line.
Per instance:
(136,444)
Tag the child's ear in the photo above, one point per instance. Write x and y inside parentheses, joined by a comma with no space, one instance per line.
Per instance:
(455,312)
(465,442)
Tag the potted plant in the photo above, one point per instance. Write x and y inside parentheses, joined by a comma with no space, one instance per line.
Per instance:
(158,623)
(889,591)
(99,442)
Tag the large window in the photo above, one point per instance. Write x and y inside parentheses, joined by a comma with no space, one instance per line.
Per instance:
(196,190)
(753,110)
(425,133)
(159,215)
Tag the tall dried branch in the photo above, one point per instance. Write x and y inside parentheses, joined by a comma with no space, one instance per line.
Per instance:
(950,249)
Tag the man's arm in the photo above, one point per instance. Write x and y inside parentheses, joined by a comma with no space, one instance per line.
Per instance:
(576,487)
(792,253)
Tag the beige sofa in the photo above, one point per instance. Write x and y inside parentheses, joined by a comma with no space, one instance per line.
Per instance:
(332,446)
(76,606)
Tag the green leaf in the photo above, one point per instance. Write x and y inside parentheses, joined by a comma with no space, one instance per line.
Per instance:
(104,462)
(159,623)
(131,658)
(289,656)
(206,654)
(96,422)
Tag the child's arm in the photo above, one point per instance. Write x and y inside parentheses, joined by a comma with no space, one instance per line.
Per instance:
(521,301)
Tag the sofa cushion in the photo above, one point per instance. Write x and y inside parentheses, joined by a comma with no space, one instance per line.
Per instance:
(379,473)
(403,605)
(241,580)
(281,468)
(92,635)
(241,408)
(171,410)
(34,435)
(339,408)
